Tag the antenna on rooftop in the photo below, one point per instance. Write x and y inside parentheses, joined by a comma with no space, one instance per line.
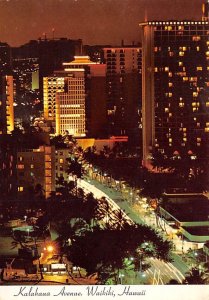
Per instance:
(44,34)
(53,30)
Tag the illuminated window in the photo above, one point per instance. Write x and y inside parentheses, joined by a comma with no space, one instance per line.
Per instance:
(180,63)
(181,53)
(170,115)
(184,48)
(170,140)
(61,161)
(32,166)
(170,74)
(20,167)
(166,69)
(196,38)
(181,104)
(170,84)
(184,129)
(156,69)
(199,68)
(166,109)
(198,48)
(185,78)
(207,104)
(198,139)
(184,139)
(193,79)
(20,188)
(206,129)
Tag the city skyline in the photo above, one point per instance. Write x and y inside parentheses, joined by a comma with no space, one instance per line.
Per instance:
(96,22)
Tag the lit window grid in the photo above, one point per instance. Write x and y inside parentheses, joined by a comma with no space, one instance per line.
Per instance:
(194,105)
(71,112)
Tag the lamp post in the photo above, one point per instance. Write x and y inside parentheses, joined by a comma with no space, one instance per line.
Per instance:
(39,263)
(182,246)
(121,278)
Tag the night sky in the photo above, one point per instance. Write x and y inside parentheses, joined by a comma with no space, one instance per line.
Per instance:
(94,21)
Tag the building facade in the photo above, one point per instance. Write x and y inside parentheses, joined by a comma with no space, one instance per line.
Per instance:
(123,88)
(175,86)
(72,97)
(6,105)
(70,105)
(36,167)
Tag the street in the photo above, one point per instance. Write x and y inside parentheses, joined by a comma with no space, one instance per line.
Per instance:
(160,271)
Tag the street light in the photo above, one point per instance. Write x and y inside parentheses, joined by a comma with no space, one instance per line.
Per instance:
(50,248)
(121,278)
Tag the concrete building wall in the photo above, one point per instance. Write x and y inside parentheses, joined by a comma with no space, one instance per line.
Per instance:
(36,167)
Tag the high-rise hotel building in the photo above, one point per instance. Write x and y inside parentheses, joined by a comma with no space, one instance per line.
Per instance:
(175,86)
(75,98)
(70,105)
(64,101)
(123,73)
(6,104)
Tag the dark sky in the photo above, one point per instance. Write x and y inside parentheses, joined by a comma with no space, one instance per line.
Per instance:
(94,21)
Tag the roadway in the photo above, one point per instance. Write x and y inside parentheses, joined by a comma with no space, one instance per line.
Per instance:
(160,272)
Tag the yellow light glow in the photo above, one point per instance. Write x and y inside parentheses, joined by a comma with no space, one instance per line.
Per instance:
(50,248)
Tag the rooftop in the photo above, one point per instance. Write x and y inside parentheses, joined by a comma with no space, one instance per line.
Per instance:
(187,209)
(198,230)
(174,22)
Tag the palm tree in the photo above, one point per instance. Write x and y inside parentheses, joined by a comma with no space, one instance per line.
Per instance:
(194,276)
(104,250)
(104,211)
(19,239)
(118,219)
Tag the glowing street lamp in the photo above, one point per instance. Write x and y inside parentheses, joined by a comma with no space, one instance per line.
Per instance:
(121,278)
(50,248)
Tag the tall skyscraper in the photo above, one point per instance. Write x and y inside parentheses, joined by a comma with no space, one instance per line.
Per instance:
(72,97)
(123,88)
(175,86)
(70,105)
(205,11)
(6,105)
